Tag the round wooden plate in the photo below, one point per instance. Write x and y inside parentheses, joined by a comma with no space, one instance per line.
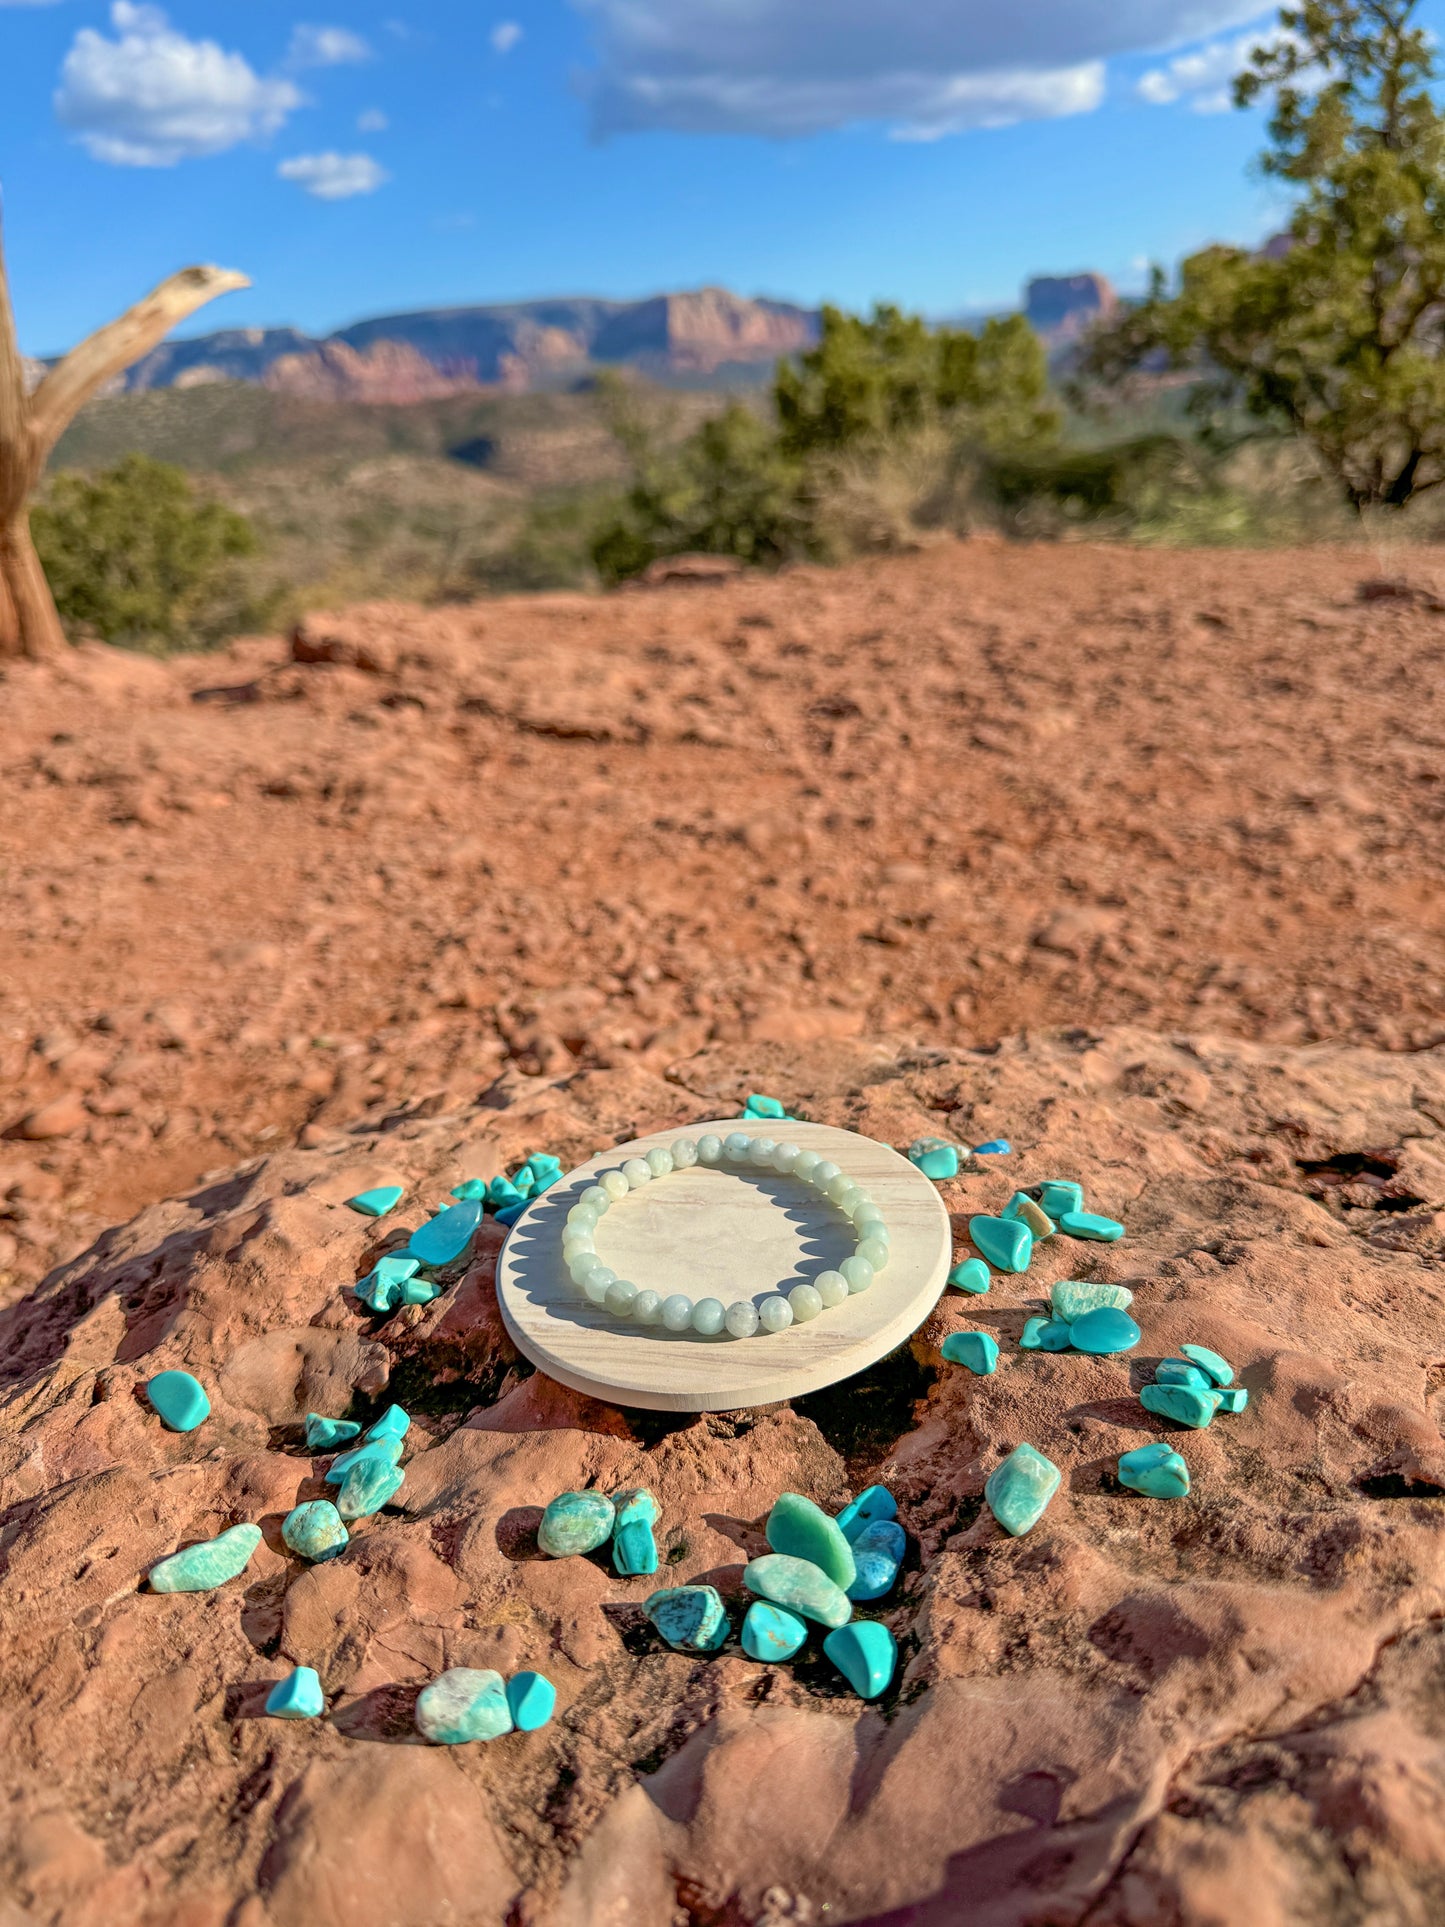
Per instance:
(723,1233)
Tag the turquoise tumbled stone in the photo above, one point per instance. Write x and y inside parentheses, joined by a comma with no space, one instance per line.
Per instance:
(799,1585)
(178,1400)
(1018,1490)
(760,1106)
(1088,1224)
(803,1530)
(470,1191)
(996,1147)
(1074,1296)
(531,1700)
(384,1284)
(576,1522)
(1219,1369)
(1180,1402)
(1031,1337)
(691,1619)
(1054,1335)
(935,1158)
(376,1204)
(1024,1208)
(386,1450)
(1104,1331)
(635,1503)
(508,1214)
(1178,1371)
(464,1704)
(324,1433)
(1232,1398)
(879,1551)
(1007,1244)
(368,1486)
(1158,1471)
(771,1633)
(875,1502)
(316,1530)
(418,1291)
(1058,1195)
(443,1239)
(971,1275)
(634,1550)
(297,1697)
(394,1423)
(211,1563)
(977,1350)
(502,1191)
(544,1167)
(866,1654)
(522,1182)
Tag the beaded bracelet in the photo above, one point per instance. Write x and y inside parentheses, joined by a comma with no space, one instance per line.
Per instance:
(708,1317)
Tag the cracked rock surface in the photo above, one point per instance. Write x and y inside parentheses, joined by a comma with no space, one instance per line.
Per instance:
(1225,1708)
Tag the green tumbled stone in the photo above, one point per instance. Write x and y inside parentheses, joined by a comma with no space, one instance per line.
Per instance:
(376,1204)
(1180,1402)
(879,1551)
(634,1550)
(387,1451)
(384,1284)
(1058,1195)
(799,1585)
(470,1191)
(1031,1339)
(576,1522)
(523,1182)
(635,1503)
(772,1634)
(803,1530)
(178,1400)
(866,1654)
(1007,1244)
(1055,1335)
(368,1486)
(316,1530)
(297,1697)
(977,1350)
(443,1239)
(935,1158)
(1075,1296)
(418,1291)
(1022,1207)
(502,1191)
(1088,1224)
(394,1423)
(211,1563)
(465,1704)
(875,1502)
(760,1106)
(1217,1368)
(691,1619)
(1232,1398)
(1178,1371)
(324,1433)
(971,1275)
(1104,1332)
(531,1700)
(1019,1490)
(1158,1471)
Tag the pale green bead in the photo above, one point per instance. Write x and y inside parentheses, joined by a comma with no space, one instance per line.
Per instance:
(596,1199)
(805,1302)
(742,1318)
(775,1314)
(578,1243)
(709,1148)
(824,1174)
(760,1152)
(620,1294)
(873,1251)
(659,1162)
(614,1184)
(736,1146)
(684,1154)
(582,1264)
(583,1217)
(637,1172)
(647,1308)
(785,1157)
(858,1272)
(832,1288)
(597,1284)
(708,1316)
(843,1191)
(805,1164)
(677,1312)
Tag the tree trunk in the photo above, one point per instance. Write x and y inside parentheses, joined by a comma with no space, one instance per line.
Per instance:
(29,623)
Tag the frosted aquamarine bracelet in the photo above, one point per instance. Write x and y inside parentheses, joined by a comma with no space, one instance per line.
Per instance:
(709,1317)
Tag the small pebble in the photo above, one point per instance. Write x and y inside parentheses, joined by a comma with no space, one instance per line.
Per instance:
(368,1486)
(972,1275)
(935,1158)
(464,1704)
(1219,1369)
(315,1530)
(1180,1402)
(1088,1224)
(394,1423)
(1074,1296)
(977,1350)
(1104,1331)
(322,1434)
(875,1502)
(376,1203)
(1019,1490)
(800,1586)
(1158,1471)
(866,1654)
(297,1697)
(576,1522)
(202,1567)
(879,1551)
(803,1530)
(771,1633)
(1022,1207)
(531,1700)
(1058,1195)
(178,1400)
(691,1619)
(443,1239)
(1007,1244)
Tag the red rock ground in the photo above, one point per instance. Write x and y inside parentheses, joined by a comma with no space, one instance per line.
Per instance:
(1132,858)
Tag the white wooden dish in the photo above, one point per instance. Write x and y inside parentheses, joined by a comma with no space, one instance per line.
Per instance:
(723,1233)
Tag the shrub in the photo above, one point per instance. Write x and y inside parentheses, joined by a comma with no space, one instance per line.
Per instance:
(134,557)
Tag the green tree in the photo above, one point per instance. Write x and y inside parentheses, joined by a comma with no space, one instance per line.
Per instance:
(132,555)
(1336,332)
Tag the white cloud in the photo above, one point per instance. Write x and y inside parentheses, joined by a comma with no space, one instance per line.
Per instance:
(151,97)
(372,121)
(505,36)
(326,47)
(1203,77)
(925,68)
(334,177)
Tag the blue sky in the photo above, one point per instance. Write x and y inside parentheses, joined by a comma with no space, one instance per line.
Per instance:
(363,158)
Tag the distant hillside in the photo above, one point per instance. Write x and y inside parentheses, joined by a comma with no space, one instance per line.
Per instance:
(705,334)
